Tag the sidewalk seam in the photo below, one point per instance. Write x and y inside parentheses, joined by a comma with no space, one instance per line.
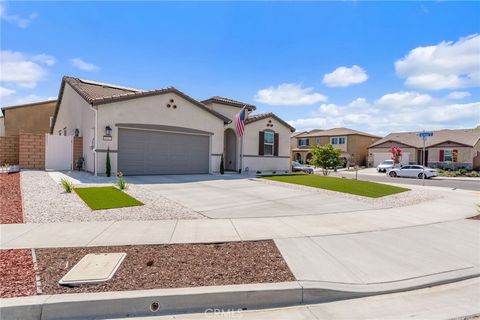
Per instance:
(100,233)
(173,232)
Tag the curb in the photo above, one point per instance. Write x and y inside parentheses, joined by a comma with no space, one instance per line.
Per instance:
(228,299)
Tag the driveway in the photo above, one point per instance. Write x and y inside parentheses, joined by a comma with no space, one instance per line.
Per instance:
(236,196)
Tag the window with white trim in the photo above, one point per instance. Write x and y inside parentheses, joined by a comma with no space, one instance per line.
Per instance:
(338,140)
(317,140)
(303,142)
(268,142)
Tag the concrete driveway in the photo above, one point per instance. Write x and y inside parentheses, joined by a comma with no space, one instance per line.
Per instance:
(235,196)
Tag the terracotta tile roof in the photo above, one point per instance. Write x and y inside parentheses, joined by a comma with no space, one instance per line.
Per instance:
(334,132)
(261,116)
(467,137)
(97,93)
(229,102)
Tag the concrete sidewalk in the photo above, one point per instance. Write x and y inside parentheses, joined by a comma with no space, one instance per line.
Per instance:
(457,206)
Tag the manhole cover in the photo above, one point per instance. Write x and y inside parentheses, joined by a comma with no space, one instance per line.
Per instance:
(93,268)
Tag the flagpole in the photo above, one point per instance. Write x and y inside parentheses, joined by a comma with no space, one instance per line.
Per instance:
(241,142)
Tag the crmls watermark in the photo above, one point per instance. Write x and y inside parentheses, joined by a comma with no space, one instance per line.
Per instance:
(217,313)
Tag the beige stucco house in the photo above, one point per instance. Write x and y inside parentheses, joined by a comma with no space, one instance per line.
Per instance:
(166,132)
(30,118)
(449,149)
(353,144)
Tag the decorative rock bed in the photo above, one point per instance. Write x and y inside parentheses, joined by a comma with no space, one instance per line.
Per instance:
(44,201)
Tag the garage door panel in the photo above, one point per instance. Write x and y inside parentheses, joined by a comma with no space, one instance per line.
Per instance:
(154,152)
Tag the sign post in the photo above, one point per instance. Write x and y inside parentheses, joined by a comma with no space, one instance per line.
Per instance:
(424,135)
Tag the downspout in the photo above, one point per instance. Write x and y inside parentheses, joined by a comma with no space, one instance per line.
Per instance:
(95,137)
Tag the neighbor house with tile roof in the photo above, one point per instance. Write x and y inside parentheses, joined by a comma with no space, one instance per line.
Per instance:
(352,143)
(449,149)
(165,131)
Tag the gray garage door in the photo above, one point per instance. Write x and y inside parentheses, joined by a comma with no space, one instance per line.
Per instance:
(153,152)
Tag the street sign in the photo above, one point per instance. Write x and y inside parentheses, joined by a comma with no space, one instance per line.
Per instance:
(425,134)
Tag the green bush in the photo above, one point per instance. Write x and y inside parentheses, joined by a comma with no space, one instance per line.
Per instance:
(108,169)
(67,185)
(122,185)
(462,171)
(474,174)
(222,166)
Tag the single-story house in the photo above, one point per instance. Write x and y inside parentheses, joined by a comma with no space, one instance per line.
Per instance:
(448,149)
(165,131)
(34,117)
(352,143)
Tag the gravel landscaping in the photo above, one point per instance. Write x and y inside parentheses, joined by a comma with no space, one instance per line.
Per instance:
(44,201)
(402,199)
(10,199)
(17,275)
(171,266)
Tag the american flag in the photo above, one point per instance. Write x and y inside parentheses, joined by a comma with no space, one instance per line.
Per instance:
(240,122)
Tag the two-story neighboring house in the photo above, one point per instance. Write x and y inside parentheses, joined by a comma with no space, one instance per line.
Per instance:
(31,118)
(353,144)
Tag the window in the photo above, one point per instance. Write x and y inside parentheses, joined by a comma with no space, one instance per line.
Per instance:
(303,142)
(338,140)
(317,141)
(268,138)
(448,155)
(51,121)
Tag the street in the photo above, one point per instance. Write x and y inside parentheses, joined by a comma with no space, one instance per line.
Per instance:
(434,182)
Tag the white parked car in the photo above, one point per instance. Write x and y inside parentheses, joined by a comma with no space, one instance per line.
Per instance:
(385,166)
(412,171)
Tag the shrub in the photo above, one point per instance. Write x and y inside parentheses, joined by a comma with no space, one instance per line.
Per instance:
(325,157)
(462,171)
(222,166)
(473,174)
(122,184)
(108,168)
(67,185)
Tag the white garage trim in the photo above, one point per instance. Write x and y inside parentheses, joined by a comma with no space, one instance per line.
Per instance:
(162,128)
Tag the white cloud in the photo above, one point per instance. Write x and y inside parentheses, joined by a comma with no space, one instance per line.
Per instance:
(6,92)
(344,76)
(457,95)
(404,99)
(447,65)
(289,94)
(22,70)
(82,65)
(45,59)
(22,22)
(359,103)
(329,109)
(30,99)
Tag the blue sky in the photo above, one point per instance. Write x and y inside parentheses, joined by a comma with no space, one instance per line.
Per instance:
(371,66)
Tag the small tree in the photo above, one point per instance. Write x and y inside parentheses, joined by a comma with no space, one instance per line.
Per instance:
(108,168)
(396,155)
(222,166)
(325,157)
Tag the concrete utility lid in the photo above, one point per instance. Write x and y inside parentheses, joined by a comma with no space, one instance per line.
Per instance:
(93,268)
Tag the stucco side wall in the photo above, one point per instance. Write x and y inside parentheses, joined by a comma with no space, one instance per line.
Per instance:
(357,146)
(250,146)
(153,110)
(75,113)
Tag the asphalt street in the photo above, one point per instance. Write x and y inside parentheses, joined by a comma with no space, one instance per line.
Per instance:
(434,182)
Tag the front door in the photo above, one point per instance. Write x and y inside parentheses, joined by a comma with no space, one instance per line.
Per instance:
(230,150)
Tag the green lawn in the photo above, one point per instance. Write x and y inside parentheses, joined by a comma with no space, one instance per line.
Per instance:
(106,198)
(357,187)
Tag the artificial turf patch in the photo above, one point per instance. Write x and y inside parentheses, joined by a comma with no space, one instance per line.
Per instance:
(356,187)
(98,198)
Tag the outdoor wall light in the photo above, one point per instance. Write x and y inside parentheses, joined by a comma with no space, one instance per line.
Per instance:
(108,131)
